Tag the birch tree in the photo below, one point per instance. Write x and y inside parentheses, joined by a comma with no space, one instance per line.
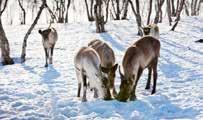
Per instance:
(5,49)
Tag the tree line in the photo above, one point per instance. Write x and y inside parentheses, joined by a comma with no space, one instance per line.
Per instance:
(100,11)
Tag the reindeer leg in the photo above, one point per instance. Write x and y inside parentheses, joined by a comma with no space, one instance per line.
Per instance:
(84,78)
(46,56)
(79,78)
(149,78)
(51,56)
(79,89)
(114,92)
(96,93)
(154,75)
(112,88)
(133,96)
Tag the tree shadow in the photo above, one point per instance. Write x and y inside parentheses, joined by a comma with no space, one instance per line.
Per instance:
(50,75)
(183,58)
(114,43)
(170,69)
(177,45)
(48,78)
(29,68)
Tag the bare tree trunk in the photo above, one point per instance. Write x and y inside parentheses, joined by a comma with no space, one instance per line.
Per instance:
(91,8)
(117,10)
(186,9)
(99,17)
(67,8)
(161,13)
(23,54)
(90,18)
(4,44)
(61,10)
(198,7)
(178,14)
(114,9)
(150,11)
(177,6)
(137,15)
(169,12)
(158,17)
(34,8)
(125,13)
(173,13)
(5,50)
(195,7)
(87,10)
(107,10)
(192,7)
(23,21)
(139,19)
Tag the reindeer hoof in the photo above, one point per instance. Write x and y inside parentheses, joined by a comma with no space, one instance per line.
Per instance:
(96,95)
(147,87)
(46,65)
(153,92)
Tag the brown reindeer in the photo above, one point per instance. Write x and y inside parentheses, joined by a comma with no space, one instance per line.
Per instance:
(87,66)
(142,54)
(49,38)
(108,65)
(152,30)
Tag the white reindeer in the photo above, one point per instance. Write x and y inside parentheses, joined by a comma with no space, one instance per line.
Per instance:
(108,65)
(87,66)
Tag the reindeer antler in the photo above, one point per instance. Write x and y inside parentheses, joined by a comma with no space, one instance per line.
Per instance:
(50,24)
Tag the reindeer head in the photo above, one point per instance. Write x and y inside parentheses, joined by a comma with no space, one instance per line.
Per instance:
(111,72)
(146,30)
(105,86)
(125,88)
(45,33)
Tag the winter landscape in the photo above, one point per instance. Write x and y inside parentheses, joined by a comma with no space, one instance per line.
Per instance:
(30,91)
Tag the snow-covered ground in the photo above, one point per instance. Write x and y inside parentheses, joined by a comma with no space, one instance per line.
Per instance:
(30,91)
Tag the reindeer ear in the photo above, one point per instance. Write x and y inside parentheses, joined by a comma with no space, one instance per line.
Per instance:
(114,68)
(48,30)
(122,76)
(40,31)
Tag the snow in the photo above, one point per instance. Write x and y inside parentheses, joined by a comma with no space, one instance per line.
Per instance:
(30,91)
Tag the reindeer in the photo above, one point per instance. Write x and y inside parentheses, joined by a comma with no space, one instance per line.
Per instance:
(108,65)
(142,54)
(152,30)
(49,38)
(87,64)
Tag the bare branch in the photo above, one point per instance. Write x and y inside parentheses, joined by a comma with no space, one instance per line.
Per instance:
(23,54)
(24,13)
(5,4)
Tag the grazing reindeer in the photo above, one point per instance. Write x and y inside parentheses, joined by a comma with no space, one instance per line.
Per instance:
(152,30)
(87,64)
(49,38)
(108,65)
(142,54)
